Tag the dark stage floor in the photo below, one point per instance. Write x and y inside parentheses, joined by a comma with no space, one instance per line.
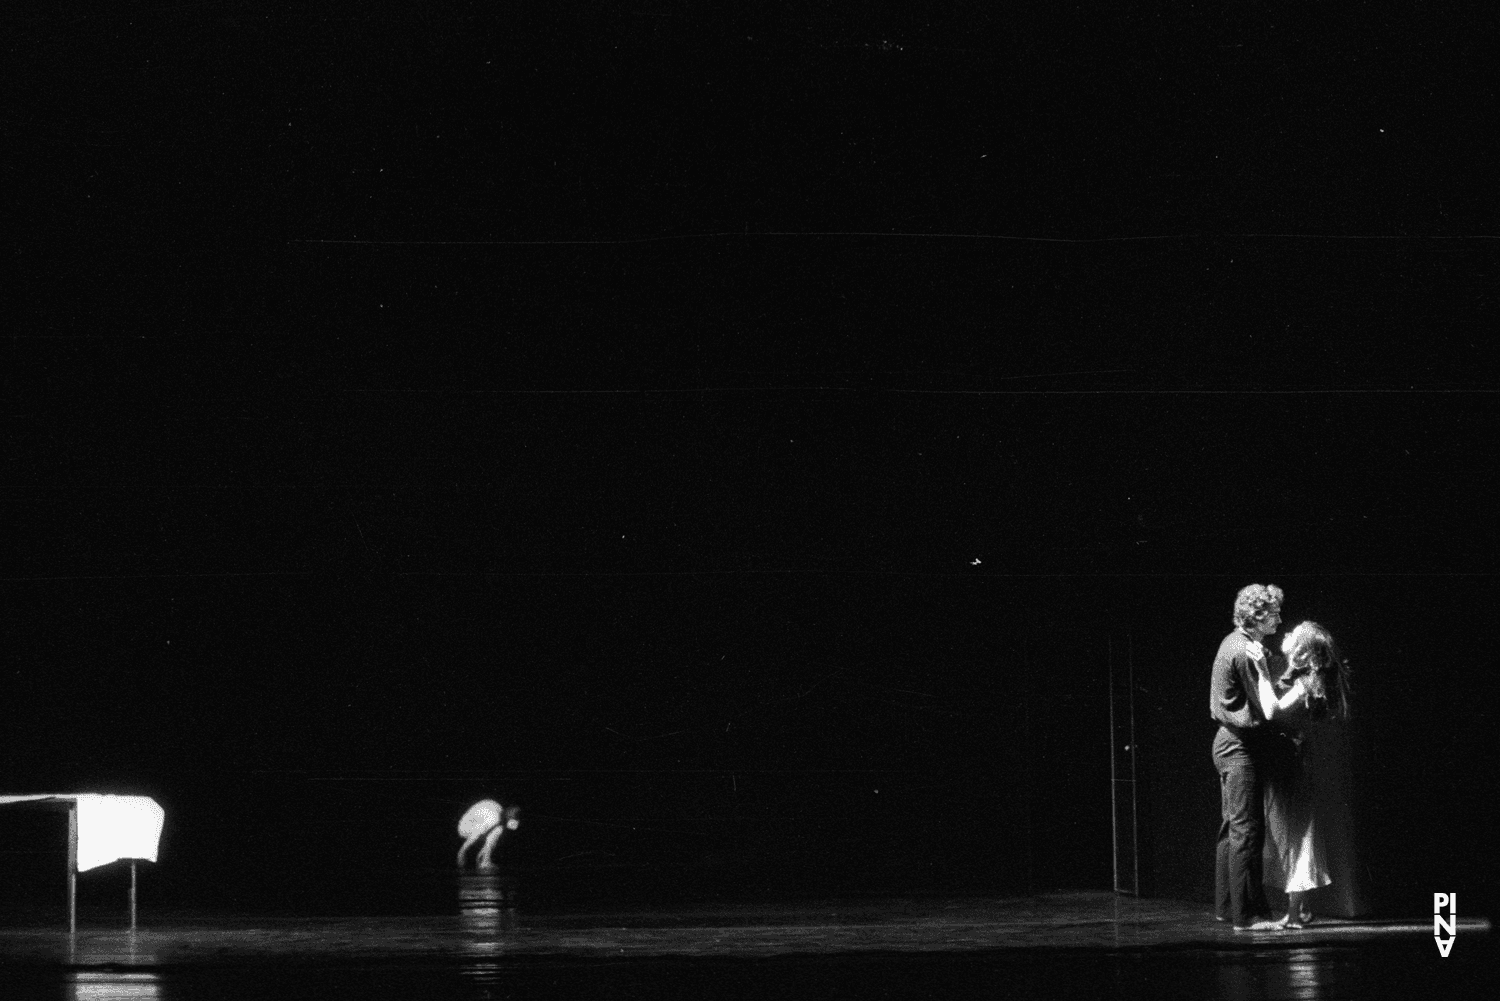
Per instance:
(1061,945)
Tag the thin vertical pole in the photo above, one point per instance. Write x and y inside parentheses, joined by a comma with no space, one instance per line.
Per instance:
(72,867)
(1114,808)
(132,894)
(1027,763)
(1135,806)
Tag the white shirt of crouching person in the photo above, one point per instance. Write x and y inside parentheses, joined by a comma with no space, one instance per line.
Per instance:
(486,819)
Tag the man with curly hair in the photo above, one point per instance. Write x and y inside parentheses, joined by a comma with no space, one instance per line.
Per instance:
(1245,750)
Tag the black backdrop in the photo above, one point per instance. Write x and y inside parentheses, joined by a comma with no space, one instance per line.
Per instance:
(739,440)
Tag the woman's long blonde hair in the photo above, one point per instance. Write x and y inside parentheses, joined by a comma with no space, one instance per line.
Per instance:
(1313,657)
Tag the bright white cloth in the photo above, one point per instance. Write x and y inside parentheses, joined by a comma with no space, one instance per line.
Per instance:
(110,827)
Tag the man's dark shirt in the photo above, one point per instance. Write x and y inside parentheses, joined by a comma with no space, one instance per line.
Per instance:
(1233,698)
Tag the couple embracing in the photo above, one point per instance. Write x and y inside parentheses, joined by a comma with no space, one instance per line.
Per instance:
(1283,769)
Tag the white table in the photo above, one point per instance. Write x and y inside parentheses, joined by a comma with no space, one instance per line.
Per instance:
(102,829)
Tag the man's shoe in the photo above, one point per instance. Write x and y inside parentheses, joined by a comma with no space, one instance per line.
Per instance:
(1265,924)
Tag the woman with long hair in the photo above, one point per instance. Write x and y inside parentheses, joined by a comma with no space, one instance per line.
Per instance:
(1307,803)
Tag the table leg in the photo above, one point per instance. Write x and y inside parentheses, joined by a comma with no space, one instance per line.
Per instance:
(132,894)
(72,868)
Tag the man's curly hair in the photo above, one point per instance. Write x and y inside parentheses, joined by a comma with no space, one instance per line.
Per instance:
(1255,602)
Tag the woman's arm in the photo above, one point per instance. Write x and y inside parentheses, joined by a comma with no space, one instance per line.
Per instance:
(1273,707)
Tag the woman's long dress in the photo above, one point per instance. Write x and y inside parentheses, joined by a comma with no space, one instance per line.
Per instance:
(1309,823)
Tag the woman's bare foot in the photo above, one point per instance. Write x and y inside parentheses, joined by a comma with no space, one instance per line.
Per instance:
(1298,913)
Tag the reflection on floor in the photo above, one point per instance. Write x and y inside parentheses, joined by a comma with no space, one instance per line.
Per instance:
(1055,944)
